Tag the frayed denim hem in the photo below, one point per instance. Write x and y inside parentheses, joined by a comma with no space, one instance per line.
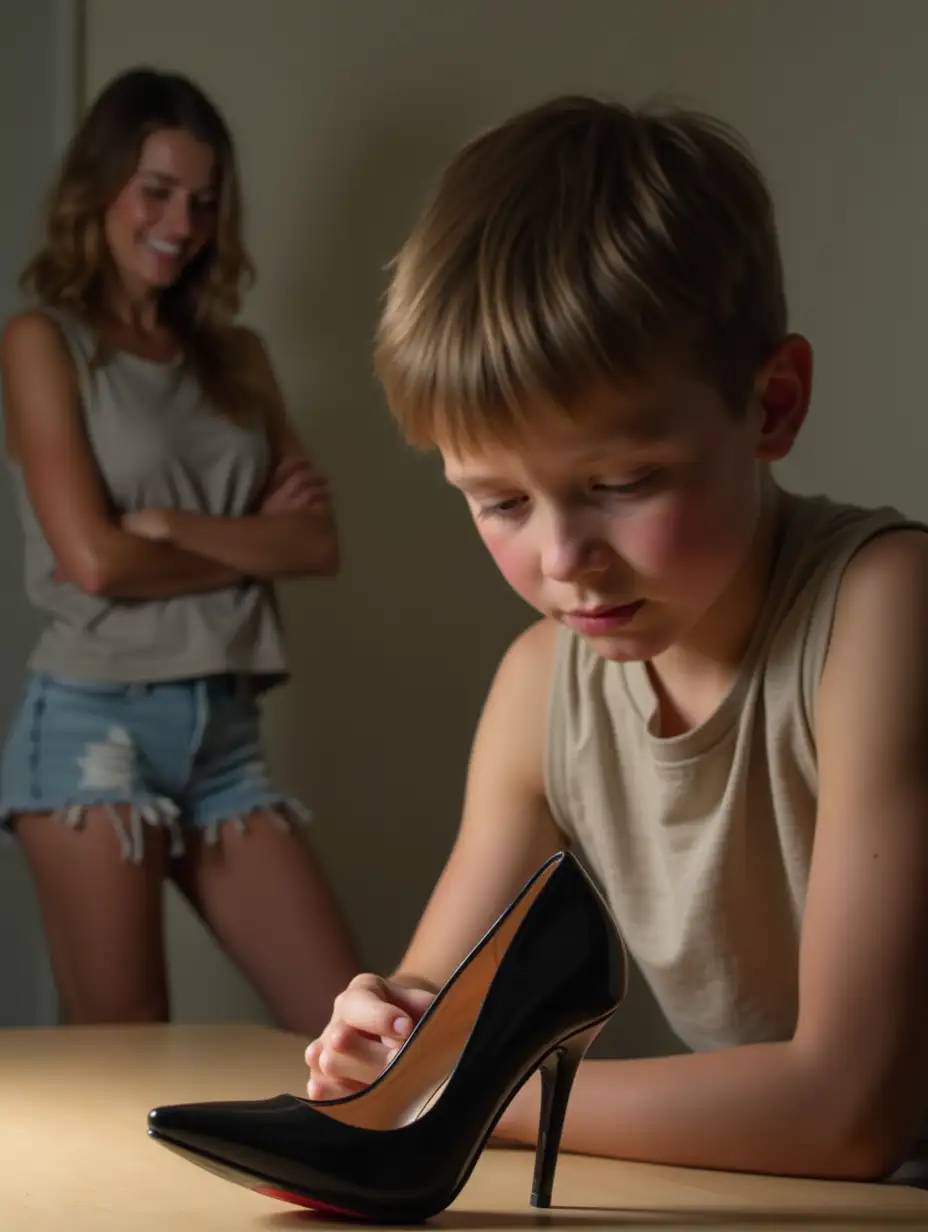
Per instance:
(285,811)
(158,812)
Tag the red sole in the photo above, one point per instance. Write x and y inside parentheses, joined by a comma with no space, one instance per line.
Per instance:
(323,1208)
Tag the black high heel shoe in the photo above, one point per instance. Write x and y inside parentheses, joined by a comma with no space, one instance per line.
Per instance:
(533,994)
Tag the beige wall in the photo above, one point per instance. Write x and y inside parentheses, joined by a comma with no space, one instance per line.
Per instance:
(344,110)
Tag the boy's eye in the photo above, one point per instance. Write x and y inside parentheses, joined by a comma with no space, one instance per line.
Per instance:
(627,487)
(156,192)
(507,508)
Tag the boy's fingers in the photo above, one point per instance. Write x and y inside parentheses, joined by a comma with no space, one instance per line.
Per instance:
(362,1009)
(361,1064)
(344,1041)
(323,1088)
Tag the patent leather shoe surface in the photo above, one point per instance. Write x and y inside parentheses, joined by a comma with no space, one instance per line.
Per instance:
(532,994)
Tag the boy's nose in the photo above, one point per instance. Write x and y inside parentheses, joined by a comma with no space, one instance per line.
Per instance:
(568,553)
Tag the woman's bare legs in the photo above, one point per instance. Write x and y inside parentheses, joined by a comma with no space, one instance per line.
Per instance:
(266,900)
(102,916)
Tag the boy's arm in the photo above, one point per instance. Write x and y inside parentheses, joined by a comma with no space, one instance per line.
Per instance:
(843,1097)
(296,543)
(506,829)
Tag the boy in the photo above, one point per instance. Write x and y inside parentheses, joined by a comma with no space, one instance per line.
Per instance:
(725,706)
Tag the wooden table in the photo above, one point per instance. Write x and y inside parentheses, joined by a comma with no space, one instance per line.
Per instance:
(75,1157)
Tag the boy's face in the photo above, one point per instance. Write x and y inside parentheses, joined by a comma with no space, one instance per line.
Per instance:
(631,523)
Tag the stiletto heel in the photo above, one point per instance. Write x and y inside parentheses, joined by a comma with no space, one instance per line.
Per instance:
(532,994)
(558,1070)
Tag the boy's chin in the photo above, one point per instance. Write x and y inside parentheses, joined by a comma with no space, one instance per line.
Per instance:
(617,650)
(628,647)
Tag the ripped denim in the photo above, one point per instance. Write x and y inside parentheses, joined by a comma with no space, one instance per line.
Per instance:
(175,755)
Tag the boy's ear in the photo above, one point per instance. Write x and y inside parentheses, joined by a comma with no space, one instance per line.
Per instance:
(782,393)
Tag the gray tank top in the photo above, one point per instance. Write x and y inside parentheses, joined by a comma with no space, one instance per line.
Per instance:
(157,445)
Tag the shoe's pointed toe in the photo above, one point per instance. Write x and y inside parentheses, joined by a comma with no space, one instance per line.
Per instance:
(279,1147)
(191,1125)
(171,1119)
(234,1133)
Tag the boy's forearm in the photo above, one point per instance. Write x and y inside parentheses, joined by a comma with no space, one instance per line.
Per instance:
(748,1109)
(262,546)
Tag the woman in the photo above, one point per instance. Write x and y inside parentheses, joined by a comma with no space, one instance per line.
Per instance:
(162,492)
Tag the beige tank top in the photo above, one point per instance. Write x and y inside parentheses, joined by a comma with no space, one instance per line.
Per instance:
(702,842)
(156,444)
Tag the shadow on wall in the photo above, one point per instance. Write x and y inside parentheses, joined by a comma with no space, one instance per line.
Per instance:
(392,663)
(29,69)
(26,994)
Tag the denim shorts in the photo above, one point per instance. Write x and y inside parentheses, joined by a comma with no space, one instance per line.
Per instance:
(180,754)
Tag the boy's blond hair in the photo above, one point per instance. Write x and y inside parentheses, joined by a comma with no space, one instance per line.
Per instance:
(579,240)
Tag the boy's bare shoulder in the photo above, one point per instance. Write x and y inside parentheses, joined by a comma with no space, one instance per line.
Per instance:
(880,628)
(527,666)
(535,645)
(885,578)
(513,727)
(902,548)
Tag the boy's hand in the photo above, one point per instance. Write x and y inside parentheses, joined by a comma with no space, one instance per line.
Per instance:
(371,1020)
(294,487)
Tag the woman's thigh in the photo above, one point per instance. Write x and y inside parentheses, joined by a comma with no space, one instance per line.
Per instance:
(77,793)
(101,914)
(250,873)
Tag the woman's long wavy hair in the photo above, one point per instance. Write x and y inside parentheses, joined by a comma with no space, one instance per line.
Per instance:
(69,270)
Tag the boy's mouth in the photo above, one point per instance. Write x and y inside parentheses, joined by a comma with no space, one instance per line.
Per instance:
(604,618)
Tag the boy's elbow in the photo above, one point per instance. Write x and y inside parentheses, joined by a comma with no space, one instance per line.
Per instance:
(856,1120)
(868,1146)
(858,1162)
(871,1155)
